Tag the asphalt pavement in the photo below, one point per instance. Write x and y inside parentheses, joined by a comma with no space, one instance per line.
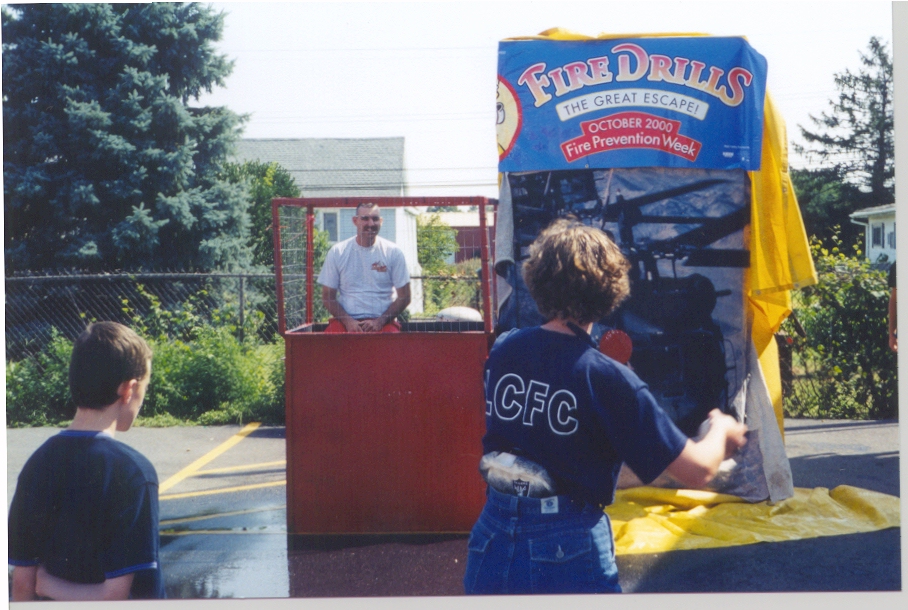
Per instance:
(223,525)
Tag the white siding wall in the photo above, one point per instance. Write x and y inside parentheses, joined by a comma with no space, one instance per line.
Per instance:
(880,237)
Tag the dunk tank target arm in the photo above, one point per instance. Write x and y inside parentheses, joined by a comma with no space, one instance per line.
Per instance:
(383,430)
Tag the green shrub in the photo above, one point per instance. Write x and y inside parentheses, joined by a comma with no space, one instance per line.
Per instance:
(37,388)
(459,286)
(843,367)
(216,379)
(212,378)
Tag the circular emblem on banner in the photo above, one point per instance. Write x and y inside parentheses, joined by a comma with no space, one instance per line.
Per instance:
(508,117)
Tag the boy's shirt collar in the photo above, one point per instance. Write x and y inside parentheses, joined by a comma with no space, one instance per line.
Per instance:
(85,433)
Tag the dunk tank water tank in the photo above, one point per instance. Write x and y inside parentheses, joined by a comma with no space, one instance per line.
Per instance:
(383,430)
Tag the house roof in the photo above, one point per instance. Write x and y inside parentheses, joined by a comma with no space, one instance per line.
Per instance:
(878,210)
(334,167)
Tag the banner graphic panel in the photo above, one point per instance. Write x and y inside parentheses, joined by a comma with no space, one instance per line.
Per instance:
(691,102)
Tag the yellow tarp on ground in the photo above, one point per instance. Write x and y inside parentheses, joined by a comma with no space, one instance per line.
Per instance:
(654,520)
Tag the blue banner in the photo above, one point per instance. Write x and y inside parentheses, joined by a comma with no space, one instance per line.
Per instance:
(690,102)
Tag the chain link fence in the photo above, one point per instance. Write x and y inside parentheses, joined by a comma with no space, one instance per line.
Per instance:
(40,306)
(166,304)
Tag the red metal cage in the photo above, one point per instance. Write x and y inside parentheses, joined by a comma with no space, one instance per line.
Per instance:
(383,430)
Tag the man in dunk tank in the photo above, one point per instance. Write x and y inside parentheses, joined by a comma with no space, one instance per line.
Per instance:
(658,142)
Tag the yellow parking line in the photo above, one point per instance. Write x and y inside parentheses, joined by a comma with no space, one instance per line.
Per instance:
(222,490)
(243,467)
(196,465)
(280,532)
(227,514)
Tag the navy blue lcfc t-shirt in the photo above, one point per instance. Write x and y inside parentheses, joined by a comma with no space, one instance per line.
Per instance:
(557,400)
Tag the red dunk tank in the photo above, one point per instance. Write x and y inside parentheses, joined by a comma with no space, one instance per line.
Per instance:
(383,430)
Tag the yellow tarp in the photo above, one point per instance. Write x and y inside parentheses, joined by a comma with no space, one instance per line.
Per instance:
(780,252)
(653,520)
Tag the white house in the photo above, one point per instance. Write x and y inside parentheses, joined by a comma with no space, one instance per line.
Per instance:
(879,231)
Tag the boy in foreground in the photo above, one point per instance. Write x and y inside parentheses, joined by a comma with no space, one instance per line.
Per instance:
(83,524)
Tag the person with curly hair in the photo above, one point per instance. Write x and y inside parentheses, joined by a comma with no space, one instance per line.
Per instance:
(561,419)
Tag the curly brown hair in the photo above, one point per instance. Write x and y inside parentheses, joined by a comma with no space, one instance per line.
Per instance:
(576,272)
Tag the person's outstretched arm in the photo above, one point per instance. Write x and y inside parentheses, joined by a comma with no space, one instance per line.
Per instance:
(699,461)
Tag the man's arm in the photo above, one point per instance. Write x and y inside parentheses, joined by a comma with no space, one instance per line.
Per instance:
(394,309)
(24,583)
(699,461)
(329,298)
(64,590)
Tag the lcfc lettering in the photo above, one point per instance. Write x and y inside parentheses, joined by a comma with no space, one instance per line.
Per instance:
(513,399)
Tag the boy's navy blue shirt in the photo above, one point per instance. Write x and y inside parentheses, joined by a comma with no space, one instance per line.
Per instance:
(86,507)
(557,400)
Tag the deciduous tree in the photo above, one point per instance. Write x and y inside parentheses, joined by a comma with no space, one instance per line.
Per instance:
(435,242)
(265,182)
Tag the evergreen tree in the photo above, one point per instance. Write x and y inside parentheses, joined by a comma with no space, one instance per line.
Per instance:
(855,138)
(826,202)
(106,164)
(265,182)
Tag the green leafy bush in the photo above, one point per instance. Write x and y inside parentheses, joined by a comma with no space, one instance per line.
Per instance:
(201,373)
(216,379)
(453,285)
(843,366)
(37,388)
(447,285)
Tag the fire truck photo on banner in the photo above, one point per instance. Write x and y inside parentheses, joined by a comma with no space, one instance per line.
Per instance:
(655,140)
(683,233)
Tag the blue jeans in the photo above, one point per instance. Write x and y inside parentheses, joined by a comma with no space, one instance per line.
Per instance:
(540,545)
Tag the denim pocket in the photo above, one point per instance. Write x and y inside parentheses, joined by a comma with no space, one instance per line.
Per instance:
(563,562)
(477,545)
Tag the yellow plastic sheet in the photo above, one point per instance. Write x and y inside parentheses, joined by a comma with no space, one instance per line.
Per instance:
(780,252)
(654,520)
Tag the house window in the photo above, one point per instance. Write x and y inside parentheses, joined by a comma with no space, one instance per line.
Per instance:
(890,238)
(877,236)
(329,225)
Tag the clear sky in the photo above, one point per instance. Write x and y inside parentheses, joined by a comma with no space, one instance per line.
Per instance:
(427,70)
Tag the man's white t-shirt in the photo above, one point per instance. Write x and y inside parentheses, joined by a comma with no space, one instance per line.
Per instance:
(365,278)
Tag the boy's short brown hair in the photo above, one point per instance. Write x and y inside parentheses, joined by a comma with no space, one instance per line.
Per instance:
(104,356)
(576,271)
